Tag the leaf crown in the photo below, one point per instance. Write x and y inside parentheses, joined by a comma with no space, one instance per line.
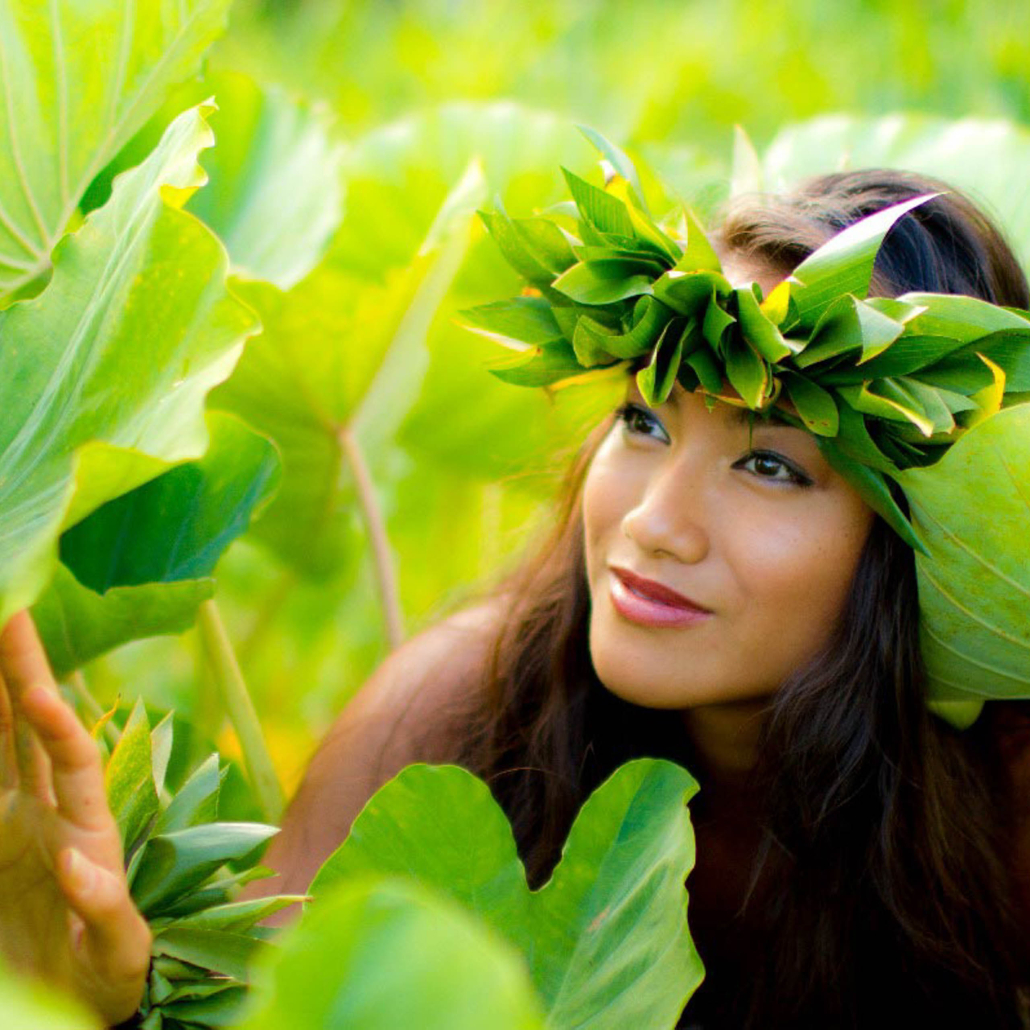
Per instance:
(885,384)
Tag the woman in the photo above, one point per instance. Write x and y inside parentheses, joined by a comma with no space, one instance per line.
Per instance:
(716,592)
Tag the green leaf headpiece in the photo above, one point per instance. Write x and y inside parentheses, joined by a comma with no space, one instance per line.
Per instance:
(920,401)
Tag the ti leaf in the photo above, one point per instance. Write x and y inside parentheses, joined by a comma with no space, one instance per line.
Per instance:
(129,779)
(845,263)
(79,79)
(86,412)
(974,583)
(379,954)
(622,869)
(177,862)
(203,938)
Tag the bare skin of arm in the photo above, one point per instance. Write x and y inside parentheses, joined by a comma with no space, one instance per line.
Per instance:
(409,711)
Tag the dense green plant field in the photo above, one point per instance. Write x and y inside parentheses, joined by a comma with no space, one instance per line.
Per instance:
(248,444)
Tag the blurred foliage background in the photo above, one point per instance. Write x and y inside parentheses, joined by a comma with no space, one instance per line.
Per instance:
(421,107)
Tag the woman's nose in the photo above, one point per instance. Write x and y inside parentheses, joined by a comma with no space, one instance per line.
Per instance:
(670,517)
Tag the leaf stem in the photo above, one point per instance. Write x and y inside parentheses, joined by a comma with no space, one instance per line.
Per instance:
(229,680)
(91,706)
(386,573)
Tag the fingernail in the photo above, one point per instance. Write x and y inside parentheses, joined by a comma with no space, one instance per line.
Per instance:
(79,871)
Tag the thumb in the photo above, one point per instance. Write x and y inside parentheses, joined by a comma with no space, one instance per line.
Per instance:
(115,940)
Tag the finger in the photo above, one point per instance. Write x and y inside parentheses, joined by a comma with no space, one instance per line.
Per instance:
(23,664)
(8,761)
(74,760)
(116,939)
(32,762)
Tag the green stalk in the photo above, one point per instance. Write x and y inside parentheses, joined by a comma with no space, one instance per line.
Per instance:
(91,706)
(448,240)
(386,573)
(233,690)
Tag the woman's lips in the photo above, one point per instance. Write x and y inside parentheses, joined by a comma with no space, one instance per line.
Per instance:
(648,603)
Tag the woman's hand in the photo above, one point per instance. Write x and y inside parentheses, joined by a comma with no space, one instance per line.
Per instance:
(65,910)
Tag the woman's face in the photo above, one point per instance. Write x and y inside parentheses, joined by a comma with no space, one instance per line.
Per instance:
(719,548)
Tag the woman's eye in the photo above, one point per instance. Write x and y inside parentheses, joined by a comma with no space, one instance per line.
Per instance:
(767,465)
(640,421)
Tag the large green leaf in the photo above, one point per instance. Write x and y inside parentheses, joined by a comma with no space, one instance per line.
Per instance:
(340,356)
(107,370)
(276,191)
(301,382)
(78,80)
(141,564)
(972,512)
(28,1005)
(985,158)
(176,526)
(381,955)
(77,624)
(606,937)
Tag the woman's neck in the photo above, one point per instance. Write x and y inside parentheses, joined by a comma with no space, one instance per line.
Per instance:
(725,739)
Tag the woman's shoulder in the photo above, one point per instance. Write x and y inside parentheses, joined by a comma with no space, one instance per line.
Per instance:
(411,701)
(412,709)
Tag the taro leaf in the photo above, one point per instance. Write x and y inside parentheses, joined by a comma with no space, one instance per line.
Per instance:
(399,174)
(339,355)
(397,177)
(176,526)
(300,382)
(972,512)
(383,954)
(105,373)
(129,779)
(78,624)
(141,564)
(79,79)
(276,191)
(27,1004)
(607,937)
(985,158)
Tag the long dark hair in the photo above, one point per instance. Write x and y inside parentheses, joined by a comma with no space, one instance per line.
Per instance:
(882,890)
